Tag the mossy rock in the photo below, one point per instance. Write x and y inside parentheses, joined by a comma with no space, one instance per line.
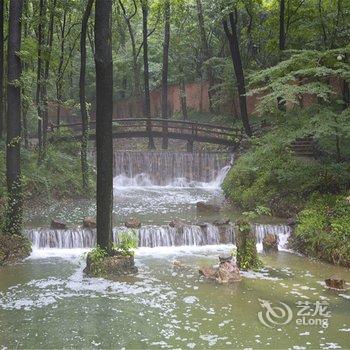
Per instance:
(110,266)
(13,248)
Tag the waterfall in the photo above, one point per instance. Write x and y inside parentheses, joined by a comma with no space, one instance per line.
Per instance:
(154,236)
(165,168)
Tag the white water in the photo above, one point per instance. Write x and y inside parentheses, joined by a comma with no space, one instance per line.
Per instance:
(133,169)
(155,236)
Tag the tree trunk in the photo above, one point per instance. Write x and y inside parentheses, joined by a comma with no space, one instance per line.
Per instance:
(1,68)
(237,65)
(281,103)
(46,75)
(60,68)
(104,111)
(39,83)
(206,51)
(147,97)
(13,143)
(165,71)
(82,97)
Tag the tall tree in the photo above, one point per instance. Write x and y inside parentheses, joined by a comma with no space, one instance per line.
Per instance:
(237,65)
(282,31)
(39,86)
(147,96)
(13,142)
(1,68)
(104,110)
(205,50)
(165,70)
(82,97)
(49,44)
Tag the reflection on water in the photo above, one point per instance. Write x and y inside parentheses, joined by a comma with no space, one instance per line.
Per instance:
(48,303)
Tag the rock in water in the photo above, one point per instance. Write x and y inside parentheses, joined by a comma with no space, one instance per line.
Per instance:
(335,282)
(58,225)
(89,222)
(203,207)
(225,258)
(270,243)
(208,272)
(176,223)
(132,223)
(111,266)
(227,272)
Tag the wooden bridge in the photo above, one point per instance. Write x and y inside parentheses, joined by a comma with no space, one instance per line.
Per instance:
(158,128)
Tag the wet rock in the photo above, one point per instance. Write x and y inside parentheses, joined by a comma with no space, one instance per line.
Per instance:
(335,282)
(225,258)
(208,272)
(202,225)
(221,222)
(227,272)
(348,199)
(132,223)
(111,266)
(89,222)
(58,225)
(204,207)
(270,243)
(291,222)
(178,224)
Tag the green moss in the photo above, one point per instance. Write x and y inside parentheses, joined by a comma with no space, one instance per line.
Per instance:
(247,255)
(323,229)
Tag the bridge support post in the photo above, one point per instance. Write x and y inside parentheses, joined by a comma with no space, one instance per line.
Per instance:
(190,146)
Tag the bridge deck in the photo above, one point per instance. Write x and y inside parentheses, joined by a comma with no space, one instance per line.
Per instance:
(159,128)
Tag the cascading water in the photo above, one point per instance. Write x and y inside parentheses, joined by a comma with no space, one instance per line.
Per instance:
(155,236)
(176,169)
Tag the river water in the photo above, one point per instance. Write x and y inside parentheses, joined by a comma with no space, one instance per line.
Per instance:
(47,302)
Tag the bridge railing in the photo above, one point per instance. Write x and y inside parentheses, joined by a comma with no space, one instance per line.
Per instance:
(164,126)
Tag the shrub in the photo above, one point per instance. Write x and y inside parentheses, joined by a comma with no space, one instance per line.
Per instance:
(323,229)
(127,243)
(270,175)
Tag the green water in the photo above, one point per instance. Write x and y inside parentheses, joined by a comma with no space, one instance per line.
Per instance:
(46,302)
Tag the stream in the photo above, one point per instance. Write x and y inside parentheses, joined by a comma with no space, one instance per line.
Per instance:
(47,302)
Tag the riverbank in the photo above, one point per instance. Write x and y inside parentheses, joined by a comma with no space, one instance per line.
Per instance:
(309,192)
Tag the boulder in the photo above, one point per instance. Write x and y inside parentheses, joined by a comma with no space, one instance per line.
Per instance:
(270,243)
(132,223)
(89,222)
(335,282)
(221,222)
(208,272)
(111,266)
(291,222)
(227,272)
(204,207)
(348,199)
(58,225)
(176,223)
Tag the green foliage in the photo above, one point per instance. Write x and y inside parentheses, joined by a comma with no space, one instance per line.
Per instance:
(323,229)
(58,175)
(13,248)
(95,258)
(127,243)
(270,175)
